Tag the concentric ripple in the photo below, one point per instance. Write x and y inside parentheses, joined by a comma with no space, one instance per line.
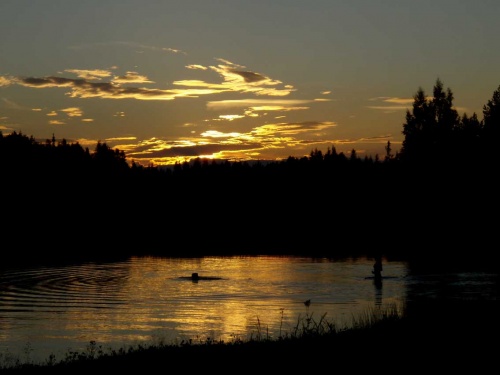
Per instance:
(56,288)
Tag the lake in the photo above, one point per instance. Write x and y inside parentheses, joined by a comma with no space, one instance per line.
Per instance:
(53,310)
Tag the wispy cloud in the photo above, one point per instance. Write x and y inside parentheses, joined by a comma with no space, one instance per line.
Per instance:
(56,122)
(398,104)
(13,105)
(96,74)
(230,117)
(234,145)
(393,100)
(195,66)
(73,112)
(248,103)
(391,104)
(253,106)
(120,139)
(131,77)
(5,81)
(137,46)
(234,79)
(81,88)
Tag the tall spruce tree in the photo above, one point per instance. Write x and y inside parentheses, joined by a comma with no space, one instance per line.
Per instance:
(429,126)
(491,124)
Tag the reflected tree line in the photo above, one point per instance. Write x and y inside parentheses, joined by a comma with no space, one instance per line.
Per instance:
(430,200)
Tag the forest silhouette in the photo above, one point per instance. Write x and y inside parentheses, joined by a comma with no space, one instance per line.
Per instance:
(436,199)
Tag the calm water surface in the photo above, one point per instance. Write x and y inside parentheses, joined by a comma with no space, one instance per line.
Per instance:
(54,310)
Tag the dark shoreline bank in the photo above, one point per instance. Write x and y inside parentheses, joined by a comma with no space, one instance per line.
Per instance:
(439,334)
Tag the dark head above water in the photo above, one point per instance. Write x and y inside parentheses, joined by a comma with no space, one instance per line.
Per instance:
(196,277)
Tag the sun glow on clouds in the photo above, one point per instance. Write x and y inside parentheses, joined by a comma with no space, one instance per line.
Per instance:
(213,143)
(393,104)
(56,122)
(221,104)
(195,66)
(216,144)
(73,112)
(217,134)
(293,128)
(237,80)
(120,139)
(401,104)
(234,79)
(70,112)
(266,108)
(5,81)
(96,74)
(131,77)
(230,117)
(250,113)
(259,105)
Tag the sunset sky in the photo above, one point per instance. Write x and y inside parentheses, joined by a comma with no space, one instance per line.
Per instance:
(169,80)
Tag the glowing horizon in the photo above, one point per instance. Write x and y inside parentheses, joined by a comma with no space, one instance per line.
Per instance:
(237,90)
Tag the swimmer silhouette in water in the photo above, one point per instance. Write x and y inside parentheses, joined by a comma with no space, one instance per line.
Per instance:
(377,267)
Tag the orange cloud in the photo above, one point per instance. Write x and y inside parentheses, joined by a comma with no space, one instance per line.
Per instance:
(90,74)
(131,77)
(234,79)
(6,81)
(73,112)
(195,66)
(56,122)
(224,104)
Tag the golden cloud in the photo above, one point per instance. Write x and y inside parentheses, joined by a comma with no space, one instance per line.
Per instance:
(131,77)
(276,108)
(90,74)
(401,103)
(224,104)
(234,145)
(230,117)
(4,81)
(196,66)
(73,111)
(234,79)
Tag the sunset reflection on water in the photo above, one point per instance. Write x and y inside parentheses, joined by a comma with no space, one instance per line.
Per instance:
(148,299)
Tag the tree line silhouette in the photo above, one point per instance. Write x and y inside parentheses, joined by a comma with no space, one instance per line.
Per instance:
(431,196)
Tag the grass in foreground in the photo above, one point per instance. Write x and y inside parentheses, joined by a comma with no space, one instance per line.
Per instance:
(430,336)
